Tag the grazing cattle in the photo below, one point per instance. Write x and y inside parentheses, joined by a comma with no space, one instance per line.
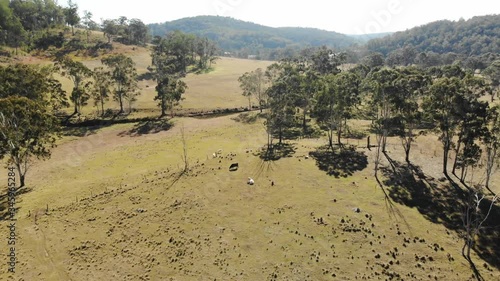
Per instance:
(233,167)
(250,181)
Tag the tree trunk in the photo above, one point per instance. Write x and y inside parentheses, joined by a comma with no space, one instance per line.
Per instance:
(76,108)
(490,159)
(280,134)
(377,155)
(384,140)
(445,159)
(457,153)
(463,174)
(172,113)
(339,135)
(163,107)
(21,180)
(120,99)
(304,123)
(407,148)
(20,172)
(102,106)
(407,154)
(330,138)
(470,244)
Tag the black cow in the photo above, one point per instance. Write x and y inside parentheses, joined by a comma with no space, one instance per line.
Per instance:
(233,167)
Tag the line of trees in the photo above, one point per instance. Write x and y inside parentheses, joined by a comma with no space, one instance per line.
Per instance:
(36,24)
(31,98)
(117,79)
(401,101)
(124,30)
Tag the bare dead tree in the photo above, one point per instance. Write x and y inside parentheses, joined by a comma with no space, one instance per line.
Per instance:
(184,149)
(473,220)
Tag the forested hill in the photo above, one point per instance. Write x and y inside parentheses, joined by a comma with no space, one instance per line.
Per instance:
(478,35)
(253,39)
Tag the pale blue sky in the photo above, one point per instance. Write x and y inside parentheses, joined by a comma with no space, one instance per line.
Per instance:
(348,16)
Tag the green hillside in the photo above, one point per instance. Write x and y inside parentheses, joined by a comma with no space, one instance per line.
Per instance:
(246,38)
(476,36)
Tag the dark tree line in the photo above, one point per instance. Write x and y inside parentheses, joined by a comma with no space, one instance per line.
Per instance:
(476,36)
(242,39)
(40,24)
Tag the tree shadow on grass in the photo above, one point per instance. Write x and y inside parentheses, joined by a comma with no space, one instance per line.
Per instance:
(80,131)
(148,127)
(276,152)
(442,203)
(247,118)
(340,162)
(4,202)
(145,76)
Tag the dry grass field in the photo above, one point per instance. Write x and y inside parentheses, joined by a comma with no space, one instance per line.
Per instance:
(113,204)
(218,89)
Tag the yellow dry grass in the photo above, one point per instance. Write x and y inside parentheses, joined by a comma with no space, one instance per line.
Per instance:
(119,208)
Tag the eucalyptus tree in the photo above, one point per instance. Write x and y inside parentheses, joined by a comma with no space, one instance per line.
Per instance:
(205,49)
(471,113)
(336,102)
(124,76)
(33,82)
(325,61)
(101,87)
(169,65)
(71,15)
(253,84)
(439,105)
(110,29)
(492,142)
(412,85)
(137,32)
(27,131)
(89,24)
(281,101)
(383,89)
(310,85)
(492,72)
(78,73)
(169,93)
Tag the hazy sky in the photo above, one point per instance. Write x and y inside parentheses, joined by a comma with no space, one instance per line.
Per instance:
(348,16)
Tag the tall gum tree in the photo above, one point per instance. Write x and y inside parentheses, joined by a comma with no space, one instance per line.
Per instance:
(78,73)
(124,76)
(26,131)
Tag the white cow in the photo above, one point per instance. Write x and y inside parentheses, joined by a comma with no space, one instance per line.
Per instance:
(250,181)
